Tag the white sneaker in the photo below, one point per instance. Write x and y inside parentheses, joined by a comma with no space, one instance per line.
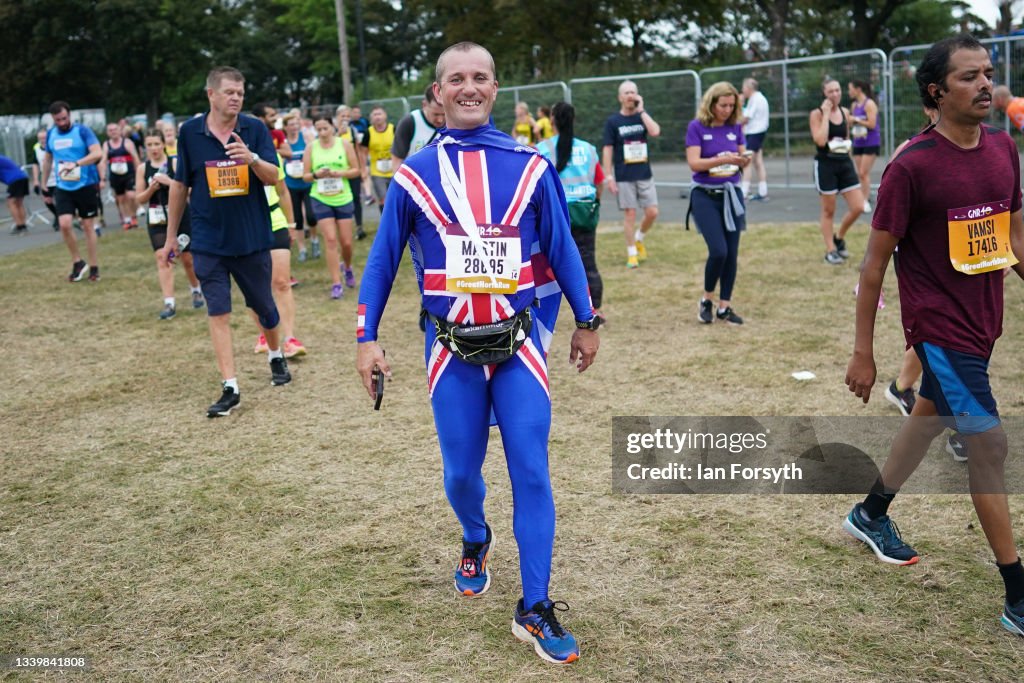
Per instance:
(867,206)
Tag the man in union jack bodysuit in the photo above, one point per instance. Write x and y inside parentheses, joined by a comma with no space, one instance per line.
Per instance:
(488,229)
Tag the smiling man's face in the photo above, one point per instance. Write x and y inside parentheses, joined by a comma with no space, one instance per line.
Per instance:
(467,90)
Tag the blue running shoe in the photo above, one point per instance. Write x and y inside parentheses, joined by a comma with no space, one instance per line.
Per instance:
(882,536)
(540,626)
(473,574)
(1013,618)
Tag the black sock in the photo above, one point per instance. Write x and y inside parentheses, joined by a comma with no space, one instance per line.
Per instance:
(1013,577)
(877,502)
(94,270)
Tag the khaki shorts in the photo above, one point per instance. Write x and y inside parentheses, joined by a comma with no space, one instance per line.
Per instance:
(380,187)
(637,194)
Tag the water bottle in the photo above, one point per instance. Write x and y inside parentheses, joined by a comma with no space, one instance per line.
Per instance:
(183,242)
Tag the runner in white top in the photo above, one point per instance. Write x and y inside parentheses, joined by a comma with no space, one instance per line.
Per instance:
(755,127)
(417,129)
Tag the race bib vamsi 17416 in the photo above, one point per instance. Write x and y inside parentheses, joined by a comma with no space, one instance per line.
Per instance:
(979,238)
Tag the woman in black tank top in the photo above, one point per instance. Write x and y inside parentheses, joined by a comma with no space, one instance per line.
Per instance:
(834,172)
(152,189)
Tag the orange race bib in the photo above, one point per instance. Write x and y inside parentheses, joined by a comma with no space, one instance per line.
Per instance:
(979,238)
(227,178)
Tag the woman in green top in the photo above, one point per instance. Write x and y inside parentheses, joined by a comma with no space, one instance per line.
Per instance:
(328,164)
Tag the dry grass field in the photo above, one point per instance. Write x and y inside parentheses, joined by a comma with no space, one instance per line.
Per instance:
(307,537)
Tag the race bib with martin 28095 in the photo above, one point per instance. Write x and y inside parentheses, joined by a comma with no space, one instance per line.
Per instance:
(492,268)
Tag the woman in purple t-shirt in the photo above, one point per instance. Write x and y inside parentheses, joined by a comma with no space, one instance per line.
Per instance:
(867,137)
(716,155)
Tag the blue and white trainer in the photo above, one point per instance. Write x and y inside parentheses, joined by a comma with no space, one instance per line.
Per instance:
(1013,618)
(473,573)
(881,535)
(539,626)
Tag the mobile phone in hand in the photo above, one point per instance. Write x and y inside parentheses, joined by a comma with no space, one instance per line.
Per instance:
(378,380)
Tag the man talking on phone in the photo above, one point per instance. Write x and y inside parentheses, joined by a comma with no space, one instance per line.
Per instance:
(487,224)
(625,148)
(226,158)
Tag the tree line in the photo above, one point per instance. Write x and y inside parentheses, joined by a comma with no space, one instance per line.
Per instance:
(130,56)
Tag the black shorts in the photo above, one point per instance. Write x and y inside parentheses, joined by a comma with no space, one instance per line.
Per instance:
(282,239)
(835,176)
(85,201)
(158,233)
(755,141)
(122,183)
(302,206)
(875,149)
(18,189)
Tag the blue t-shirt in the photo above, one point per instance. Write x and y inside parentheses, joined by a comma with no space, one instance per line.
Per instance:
(713,140)
(9,171)
(627,135)
(233,225)
(66,149)
(361,125)
(298,151)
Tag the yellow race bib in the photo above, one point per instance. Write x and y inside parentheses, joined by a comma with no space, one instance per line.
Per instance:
(227,178)
(979,238)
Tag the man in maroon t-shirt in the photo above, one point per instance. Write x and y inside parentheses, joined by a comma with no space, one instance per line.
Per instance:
(268,115)
(952,202)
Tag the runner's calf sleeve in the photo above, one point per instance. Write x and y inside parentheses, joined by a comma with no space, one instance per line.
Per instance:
(1013,577)
(877,502)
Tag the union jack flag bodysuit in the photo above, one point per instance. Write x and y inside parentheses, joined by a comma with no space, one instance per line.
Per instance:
(508,185)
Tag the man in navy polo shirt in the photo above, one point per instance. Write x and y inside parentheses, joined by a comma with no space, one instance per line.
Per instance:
(226,158)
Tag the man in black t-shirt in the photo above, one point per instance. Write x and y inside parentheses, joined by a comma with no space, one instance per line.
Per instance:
(625,146)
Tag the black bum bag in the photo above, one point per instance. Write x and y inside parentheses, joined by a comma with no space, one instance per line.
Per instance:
(485,344)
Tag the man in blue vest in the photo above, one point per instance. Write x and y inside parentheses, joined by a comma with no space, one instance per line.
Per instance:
(74,150)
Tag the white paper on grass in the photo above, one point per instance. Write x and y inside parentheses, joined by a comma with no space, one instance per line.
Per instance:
(803,375)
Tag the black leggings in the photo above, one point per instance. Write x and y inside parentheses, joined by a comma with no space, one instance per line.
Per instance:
(586,243)
(301,204)
(723,245)
(357,199)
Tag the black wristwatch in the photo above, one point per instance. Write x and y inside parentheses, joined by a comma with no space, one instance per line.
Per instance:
(591,324)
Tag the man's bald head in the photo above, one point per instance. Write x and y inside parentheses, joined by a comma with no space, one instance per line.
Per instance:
(464,46)
(1001,97)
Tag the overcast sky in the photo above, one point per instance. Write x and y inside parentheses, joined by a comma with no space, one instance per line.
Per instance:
(986,9)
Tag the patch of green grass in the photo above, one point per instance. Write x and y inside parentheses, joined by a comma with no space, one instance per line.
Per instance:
(308,538)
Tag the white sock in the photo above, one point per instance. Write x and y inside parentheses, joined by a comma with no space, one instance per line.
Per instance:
(274,353)
(721,310)
(762,188)
(315,240)
(169,301)
(639,235)
(196,290)
(631,251)
(232,384)
(745,187)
